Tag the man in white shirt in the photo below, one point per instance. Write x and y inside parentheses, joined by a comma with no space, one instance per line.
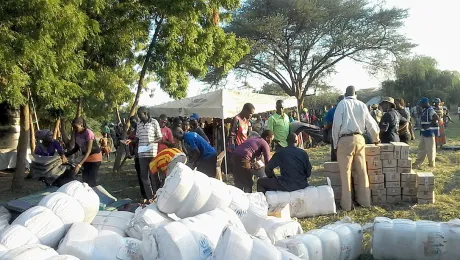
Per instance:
(351,120)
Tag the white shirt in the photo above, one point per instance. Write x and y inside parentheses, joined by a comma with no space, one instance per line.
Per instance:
(148,133)
(352,116)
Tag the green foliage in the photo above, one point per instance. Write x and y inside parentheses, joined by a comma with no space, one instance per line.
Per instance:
(323,98)
(94,125)
(419,76)
(272,89)
(295,43)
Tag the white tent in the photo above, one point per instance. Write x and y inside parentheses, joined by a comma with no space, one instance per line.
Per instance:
(220,104)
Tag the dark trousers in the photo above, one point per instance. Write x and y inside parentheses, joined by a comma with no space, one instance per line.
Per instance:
(138,171)
(208,166)
(269,184)
(405,138)
(333,153)
(157,181)
(90,172)
(243,174)
(145,176)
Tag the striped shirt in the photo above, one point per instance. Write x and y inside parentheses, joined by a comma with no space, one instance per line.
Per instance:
(148,133)
(164,158)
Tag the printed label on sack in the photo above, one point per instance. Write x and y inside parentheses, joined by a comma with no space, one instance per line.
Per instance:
(346,252)
(205,247)
(298,205)
(240,212)
(435,245)
(127,250)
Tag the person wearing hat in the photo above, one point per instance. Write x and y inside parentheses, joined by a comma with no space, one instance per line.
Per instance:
(389,124)
(376,113)
(428,131)
(438,108)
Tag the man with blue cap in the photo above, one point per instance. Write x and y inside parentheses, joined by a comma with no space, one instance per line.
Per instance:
(428,131)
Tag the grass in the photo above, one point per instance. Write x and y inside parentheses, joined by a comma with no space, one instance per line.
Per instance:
(447,206)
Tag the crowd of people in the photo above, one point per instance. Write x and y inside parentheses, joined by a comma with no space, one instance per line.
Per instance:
(157,144)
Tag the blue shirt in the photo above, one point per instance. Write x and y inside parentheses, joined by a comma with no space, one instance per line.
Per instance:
(295,168)
(426,117)
(329,118)
(196,142)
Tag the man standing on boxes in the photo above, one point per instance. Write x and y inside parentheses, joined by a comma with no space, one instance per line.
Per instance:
(428,131)
(351,120)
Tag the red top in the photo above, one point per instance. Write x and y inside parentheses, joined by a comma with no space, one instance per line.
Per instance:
(167,136)
(239,131)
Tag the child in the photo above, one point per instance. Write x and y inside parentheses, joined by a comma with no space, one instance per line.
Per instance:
(105,145)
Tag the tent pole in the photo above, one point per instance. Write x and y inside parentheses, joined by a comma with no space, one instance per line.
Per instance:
(225,149)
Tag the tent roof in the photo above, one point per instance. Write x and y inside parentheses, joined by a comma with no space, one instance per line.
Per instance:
(374,100)
(220,104)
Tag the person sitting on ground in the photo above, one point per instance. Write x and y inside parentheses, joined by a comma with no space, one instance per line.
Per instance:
(295,168)
(200,153)
(162,165)
(194,127)
(47,146)
(246,160)
(105,145)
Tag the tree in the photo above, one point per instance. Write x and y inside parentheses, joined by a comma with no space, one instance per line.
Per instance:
(272,89)
(39,40)
(295,43)
(185,41)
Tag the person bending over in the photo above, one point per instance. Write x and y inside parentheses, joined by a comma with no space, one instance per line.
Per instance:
(295,168)
(162,165)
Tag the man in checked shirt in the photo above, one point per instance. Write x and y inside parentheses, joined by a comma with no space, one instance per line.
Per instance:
(148,135)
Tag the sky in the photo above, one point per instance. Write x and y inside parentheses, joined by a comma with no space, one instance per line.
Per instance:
(433,25)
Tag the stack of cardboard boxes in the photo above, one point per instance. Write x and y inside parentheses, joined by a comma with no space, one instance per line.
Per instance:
(425,188)
(332,171)
(409,186)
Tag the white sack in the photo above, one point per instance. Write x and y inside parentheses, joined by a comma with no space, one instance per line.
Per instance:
(63,257)
(67,208)
(240,202)
(30,252)
(262,235)
(116,221)
(256,213)
(175,189)
(220,196)
(236,244)
(279,229)
(3,250)
(111,246)
(197,197)
(78,241)
(88,199)
(5,217)
(421,240)
(44,224)
(17,235)
(149,217)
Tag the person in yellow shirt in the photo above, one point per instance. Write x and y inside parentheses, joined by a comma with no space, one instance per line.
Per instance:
(163,163)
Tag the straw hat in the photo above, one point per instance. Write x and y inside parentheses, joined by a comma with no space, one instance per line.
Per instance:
(389,100)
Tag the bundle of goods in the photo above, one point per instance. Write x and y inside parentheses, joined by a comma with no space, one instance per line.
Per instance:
(188,193)
(86,242)
(116,221)
(149,217)
(47,168)
(5,217)
(277,229)
(425,188)
(415,240)
(48,222)
(342,240)
(386,163)
(189,238)
(309,202)
(36,252)
(234,243)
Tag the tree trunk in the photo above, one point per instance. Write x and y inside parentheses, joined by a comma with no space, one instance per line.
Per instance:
(21,159)
(140,86)
(64,133)
(56,128)
(79,107)
(32,132)
(117,113)
(299,104)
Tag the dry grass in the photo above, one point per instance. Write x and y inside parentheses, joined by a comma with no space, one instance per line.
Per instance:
(447,172)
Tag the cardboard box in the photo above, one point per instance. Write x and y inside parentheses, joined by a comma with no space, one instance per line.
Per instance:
(397,151)
(425,179)
(405,163)
(334,177)
(390,177)
(373,179)
(393,199)
(390,171)
(422,188)
(386,155)
(377,186)
(376,165)
(423,201)
(379,199)
(393,163)
(374,172)
(372,149)
(372,159)
(386,148)
(393,191)
(401,150)
(408,176)
(282,211)
(410,199)
(426,195)
(392,184)
(379,192)
(409,184)
(331,167)
(409,192)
